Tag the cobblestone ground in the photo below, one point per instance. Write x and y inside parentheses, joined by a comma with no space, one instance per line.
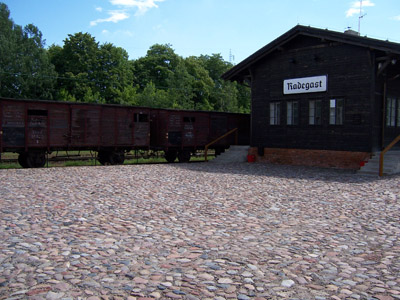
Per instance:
(198,231)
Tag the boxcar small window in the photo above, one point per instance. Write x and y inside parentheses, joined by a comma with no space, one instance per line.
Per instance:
(189,119)
(314,112)
(336,111)
(274,113)
(37,112)
(292,113)
(141,118)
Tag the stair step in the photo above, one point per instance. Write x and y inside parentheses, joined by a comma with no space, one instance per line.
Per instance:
(234,154)
(376,165)
(391,164)
(238,148)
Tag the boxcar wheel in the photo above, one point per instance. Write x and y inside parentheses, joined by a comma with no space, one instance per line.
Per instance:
(102,157)
(170,156)
(111,157)
(22,160)
(116,157)
(184,156)
(35,159)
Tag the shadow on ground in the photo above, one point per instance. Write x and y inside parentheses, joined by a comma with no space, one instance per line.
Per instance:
(285,171)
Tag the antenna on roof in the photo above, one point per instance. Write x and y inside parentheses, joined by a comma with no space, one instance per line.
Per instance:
(231,57)
(360,17)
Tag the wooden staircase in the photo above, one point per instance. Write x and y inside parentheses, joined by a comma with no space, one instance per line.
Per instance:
(234,154)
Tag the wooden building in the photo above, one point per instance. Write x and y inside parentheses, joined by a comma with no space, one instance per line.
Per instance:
(321,97)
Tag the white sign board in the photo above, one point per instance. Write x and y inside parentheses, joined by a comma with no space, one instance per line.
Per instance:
(305,85)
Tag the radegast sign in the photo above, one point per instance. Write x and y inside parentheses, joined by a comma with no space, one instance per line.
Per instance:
(305,85)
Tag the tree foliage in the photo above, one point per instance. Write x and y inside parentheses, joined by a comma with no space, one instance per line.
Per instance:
(158,64)
(84,70)
(25,68)
(84,67)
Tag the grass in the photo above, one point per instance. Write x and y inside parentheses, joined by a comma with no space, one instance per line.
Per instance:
(10,166)
(89,162)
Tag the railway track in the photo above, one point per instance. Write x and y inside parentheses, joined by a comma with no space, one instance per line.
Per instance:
(86,157)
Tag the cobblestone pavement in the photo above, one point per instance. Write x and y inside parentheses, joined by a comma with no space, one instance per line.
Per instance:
(198,231)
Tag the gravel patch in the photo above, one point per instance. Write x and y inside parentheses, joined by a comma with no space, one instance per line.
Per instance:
(198,231)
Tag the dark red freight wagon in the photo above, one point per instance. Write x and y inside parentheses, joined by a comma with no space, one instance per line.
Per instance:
(179,132)
(32,128)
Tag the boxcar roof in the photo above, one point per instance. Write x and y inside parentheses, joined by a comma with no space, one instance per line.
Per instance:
(38,101)
(240,71)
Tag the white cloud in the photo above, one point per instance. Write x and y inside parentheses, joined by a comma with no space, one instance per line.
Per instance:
(115,17)
(142,5)
(355,7)
(397,18)
(118,34)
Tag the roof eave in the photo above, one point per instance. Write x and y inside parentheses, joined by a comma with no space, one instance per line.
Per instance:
(235,73)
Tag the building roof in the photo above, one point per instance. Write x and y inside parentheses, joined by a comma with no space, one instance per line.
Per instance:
(240,71)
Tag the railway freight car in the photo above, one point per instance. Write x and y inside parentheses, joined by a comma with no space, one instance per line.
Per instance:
(179,133)
(33,128)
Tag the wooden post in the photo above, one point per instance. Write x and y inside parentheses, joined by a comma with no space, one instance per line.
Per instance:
(381,164)
(381,157)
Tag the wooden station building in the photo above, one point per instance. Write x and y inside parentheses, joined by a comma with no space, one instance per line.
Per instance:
(321,97)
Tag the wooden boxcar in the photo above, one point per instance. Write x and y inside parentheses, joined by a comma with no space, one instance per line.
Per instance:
(33,128)
(179,133)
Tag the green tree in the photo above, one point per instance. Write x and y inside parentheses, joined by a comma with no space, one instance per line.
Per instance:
(63,95)
(88,70)
(76,65)
(180,89)
(92,97)
(25,68)
(153,97)
(201,84)
(215,65)
(159,62)
(128,95)
(225,95)
(114,72)
(243,98)
(189,86)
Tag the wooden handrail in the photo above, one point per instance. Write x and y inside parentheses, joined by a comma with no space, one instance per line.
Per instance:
(381,157)
(220,138)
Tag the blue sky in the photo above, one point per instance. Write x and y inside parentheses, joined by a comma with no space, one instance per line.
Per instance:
(195,27)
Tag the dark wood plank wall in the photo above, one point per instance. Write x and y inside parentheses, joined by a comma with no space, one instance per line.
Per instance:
(392,90)
(350,73)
